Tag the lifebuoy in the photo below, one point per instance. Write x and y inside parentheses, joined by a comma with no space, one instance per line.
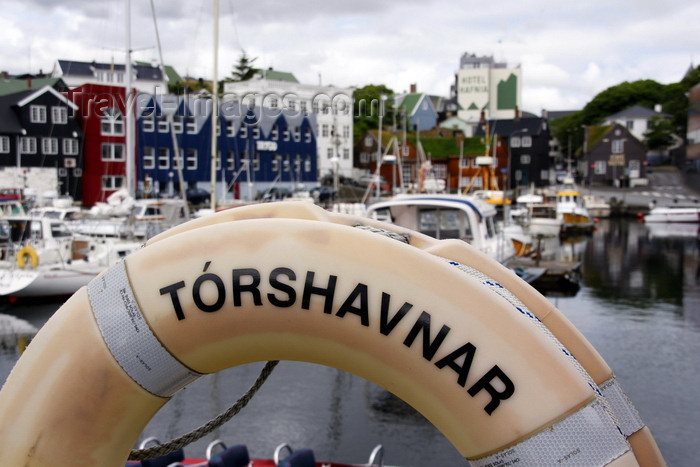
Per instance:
(451,332)
(27,252)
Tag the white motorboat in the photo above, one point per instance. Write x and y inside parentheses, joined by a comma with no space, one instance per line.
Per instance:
(42,257)
(684,214)
(538,216)
(444,216)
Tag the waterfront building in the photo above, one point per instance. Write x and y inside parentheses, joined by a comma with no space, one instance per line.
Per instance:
(613,156)
(41,142)
(146,77)
(331,107)
(256,150)
(484,85)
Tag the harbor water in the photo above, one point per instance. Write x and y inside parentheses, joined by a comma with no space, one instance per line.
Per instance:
(639,305)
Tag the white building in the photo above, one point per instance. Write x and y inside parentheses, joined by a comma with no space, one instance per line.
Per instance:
(636,119)
(145,77)
(333,107)
(482,84)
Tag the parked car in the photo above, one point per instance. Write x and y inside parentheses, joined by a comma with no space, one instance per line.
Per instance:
(367,180)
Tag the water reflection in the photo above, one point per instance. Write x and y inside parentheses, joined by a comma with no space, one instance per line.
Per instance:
(628,263)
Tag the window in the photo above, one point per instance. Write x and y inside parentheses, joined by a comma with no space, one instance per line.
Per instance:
(256,132)
(148,124)
(192,124)
(630,124)
(303,105)
(256,161)
(329,153)
(27,145)
(285,163)
(37,113)
(297,134)
(4,144)
(346,131)
(243,132)
(274,133)
(230,160)
(324,130)
(163,158)
(59,115)
(307,135)
(112,182)
(275,167)
(618,146)
(346,153)
(525,159)
(149,157)
(515,142)
(192,159)
(70,146)
(177,123)
(112,122)
(600,168)
(163,126)
(112,152)
(307,164)
(49,146)
(285,133)
(526,141)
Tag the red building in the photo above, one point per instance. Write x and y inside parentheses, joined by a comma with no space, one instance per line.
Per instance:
(102,111)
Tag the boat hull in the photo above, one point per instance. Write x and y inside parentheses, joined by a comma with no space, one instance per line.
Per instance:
(23,283)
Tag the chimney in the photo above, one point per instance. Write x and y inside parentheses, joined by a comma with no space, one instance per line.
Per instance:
(413,88)
(29,82)
(517,113)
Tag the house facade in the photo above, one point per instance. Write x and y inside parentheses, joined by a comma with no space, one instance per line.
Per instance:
(145,77)
(103,118)
(526,143)
(613,157)
(255,150)
(635,119)
(330,106)
(41,142)
(418,109)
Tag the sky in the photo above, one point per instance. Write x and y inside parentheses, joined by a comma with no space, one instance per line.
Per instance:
(568,51)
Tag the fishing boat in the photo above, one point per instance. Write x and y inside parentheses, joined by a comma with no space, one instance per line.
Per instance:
(570,209)
(42,257)
(675,214)
(538,216)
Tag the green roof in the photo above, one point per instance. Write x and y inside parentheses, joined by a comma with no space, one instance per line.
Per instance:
(275,75)
(410,101)
(444,147)
(11,86)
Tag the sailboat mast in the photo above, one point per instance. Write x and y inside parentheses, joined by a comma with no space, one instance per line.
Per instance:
(215,107)
(129,125)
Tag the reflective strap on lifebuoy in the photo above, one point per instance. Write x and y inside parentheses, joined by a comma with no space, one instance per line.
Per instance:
(131,340)
(587,437)
(626,414)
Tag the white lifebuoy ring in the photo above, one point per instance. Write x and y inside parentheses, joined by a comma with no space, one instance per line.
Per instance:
(27,255)
(288,281)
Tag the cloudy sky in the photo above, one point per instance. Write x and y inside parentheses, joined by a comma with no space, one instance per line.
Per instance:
(568,51)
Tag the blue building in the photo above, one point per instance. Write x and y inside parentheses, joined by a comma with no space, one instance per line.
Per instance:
(256,148)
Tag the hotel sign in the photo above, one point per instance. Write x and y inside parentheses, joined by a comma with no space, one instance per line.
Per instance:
(266,145)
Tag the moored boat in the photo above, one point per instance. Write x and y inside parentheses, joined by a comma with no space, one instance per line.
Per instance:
(570,209)
(684,214)
(42,257)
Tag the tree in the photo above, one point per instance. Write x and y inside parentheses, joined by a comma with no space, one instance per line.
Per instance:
(244,70)
(659,134)
(367,104)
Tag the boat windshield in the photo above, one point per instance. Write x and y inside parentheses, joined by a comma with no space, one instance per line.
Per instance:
(444,223)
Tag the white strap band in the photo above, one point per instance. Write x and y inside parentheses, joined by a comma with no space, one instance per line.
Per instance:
(587,437)
(130,339)
(627,416)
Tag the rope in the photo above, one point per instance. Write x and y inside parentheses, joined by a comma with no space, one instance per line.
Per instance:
(211,425)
